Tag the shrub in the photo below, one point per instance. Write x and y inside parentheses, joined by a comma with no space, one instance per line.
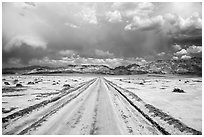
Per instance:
(15,81)
(66,86)
(19,85)
(31,83)
(186,81)
(177,90)
(6,83)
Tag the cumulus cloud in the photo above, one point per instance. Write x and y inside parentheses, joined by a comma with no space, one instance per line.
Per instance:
(181,52)
(77,60)
(190,51)
(101,53)
(25,5)
(184,27)
(128,9)
(14,62)
(29,28)
(31,4)
(71,25)
(18,41)
(161,54)
(173,25)
(89,15)
(193,22)
(176,47)
(185,57)
(68,53)
(114,16)
(142,9)
(194,49)
(48,62)
(145,23)
(175,58)
(139,15)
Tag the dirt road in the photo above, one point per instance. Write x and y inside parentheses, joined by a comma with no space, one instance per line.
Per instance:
(94,108)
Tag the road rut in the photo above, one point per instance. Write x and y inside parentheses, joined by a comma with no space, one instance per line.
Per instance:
(96,109)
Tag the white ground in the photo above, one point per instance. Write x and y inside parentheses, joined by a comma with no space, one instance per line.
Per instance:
(32,92)
(97,108)
(187,107)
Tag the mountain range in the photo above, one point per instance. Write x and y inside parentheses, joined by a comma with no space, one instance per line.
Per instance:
(191,66)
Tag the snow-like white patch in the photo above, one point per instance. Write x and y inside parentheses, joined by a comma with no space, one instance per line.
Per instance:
(187,107)
(44,88)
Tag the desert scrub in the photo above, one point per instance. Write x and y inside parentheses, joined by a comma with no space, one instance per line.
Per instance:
(177,90)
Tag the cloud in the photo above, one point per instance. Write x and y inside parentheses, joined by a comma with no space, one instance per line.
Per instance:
(139,15)
(31,4)
(48,62)
(101,53)
(71,25)
(25,5)
(181,52)
(77,60)
(142,9)
(175,58)
(32,41)
(173,25)
(49,29)
(14,62)
(89,15)
(161,54)
(145,23)
(184,28)
(128,9)
(176,47)
(193,22)
(68,53)
(114,16)
(194,49)
(185,57)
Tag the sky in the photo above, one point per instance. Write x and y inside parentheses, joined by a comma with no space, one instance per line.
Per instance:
(112,34)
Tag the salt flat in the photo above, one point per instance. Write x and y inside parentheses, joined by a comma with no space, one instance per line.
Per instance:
(101,104)
(187,106)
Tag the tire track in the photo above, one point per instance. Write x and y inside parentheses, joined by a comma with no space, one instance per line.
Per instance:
(165,123)
(42,119)
(132,121)
(74,118)
(22,112)
(53,109)
(95,107)
(161,129)
(105,121)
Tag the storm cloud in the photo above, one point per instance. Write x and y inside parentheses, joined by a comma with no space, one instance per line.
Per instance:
(112,34)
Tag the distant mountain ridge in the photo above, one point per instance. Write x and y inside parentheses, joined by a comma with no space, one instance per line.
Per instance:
(191,66)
